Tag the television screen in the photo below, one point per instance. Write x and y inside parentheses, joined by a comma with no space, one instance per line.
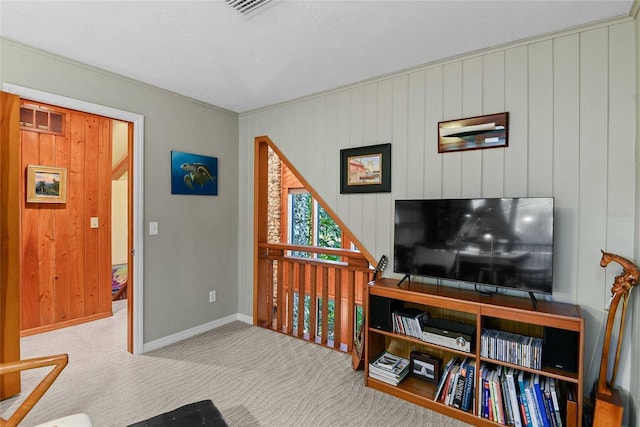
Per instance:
(506,242)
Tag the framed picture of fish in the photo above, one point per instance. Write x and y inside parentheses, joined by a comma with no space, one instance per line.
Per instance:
(194,174)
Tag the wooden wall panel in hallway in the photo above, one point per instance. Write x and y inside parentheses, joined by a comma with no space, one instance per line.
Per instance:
(66,274)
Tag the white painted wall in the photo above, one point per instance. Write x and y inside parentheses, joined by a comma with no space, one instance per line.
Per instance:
(572,135)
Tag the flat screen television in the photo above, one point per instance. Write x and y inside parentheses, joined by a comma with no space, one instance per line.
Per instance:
(502,242)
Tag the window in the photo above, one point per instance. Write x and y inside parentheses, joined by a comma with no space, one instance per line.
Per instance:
(310,225)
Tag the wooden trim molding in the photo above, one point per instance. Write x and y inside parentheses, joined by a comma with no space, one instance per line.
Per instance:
(9,240)
(267,141)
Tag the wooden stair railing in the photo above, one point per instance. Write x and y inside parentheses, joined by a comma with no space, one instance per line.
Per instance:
(59,362)
(281,276)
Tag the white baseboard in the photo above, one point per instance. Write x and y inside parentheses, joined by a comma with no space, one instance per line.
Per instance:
(172,339)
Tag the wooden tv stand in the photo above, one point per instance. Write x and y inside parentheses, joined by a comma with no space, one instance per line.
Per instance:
(498,312)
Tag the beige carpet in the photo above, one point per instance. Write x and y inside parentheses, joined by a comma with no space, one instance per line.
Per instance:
(254,376)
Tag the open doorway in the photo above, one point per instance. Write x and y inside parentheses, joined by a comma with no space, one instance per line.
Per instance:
(135,180)
(119,210)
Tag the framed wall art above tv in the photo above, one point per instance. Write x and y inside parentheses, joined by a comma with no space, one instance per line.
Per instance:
(490,131)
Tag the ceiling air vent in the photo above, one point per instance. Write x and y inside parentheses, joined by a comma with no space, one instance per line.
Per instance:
(247,7)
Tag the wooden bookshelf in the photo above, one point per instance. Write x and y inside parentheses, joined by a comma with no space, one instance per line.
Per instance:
(501,312)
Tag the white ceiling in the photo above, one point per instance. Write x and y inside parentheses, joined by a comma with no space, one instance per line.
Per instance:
(206,50)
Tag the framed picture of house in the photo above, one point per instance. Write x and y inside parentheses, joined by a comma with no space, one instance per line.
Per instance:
(490,131)
(366,169)
(46,184)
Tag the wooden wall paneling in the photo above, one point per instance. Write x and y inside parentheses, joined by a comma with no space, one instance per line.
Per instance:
(10,207)
(622,140)
(540,118)
(91,277)
(383,203)
(304,129)
(77,217)
(493,102)
(414,166)
(433,114)
(622,167)
(46,236)
(356,139)
(331,151)
(344,100)
(62,267)
(452,109)
(384,109)
(471,107)
(370,137)
(399,172)
(566,123)
(594,83)
(63,271)
(30,272)
(318,163)
(516,98)
(104,213)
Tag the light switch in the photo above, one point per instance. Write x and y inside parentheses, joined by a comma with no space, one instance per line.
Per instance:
(153,228)
(94,222)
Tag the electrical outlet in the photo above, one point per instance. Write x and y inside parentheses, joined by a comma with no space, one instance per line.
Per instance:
(94,222)
(212,296)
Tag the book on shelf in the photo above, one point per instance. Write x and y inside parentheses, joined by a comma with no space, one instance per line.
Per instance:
(386,379)
(486,409)
(532,401)
(496,399)
(555,400)
(390,362)
(513,397)
(548,402)
(458,391)
(506,402)
(445,377)
(467,397)
(542,409)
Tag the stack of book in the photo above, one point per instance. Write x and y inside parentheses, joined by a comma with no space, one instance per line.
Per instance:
(456,384)
(518,398)
(389,368)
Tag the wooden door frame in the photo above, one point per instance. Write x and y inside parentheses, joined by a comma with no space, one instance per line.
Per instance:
(10,246)
(135,341)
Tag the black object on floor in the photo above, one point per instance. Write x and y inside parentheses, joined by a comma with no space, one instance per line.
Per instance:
(203,413)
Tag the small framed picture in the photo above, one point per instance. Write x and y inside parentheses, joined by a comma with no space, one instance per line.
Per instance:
(425,367)
(365,169)
(46,184)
